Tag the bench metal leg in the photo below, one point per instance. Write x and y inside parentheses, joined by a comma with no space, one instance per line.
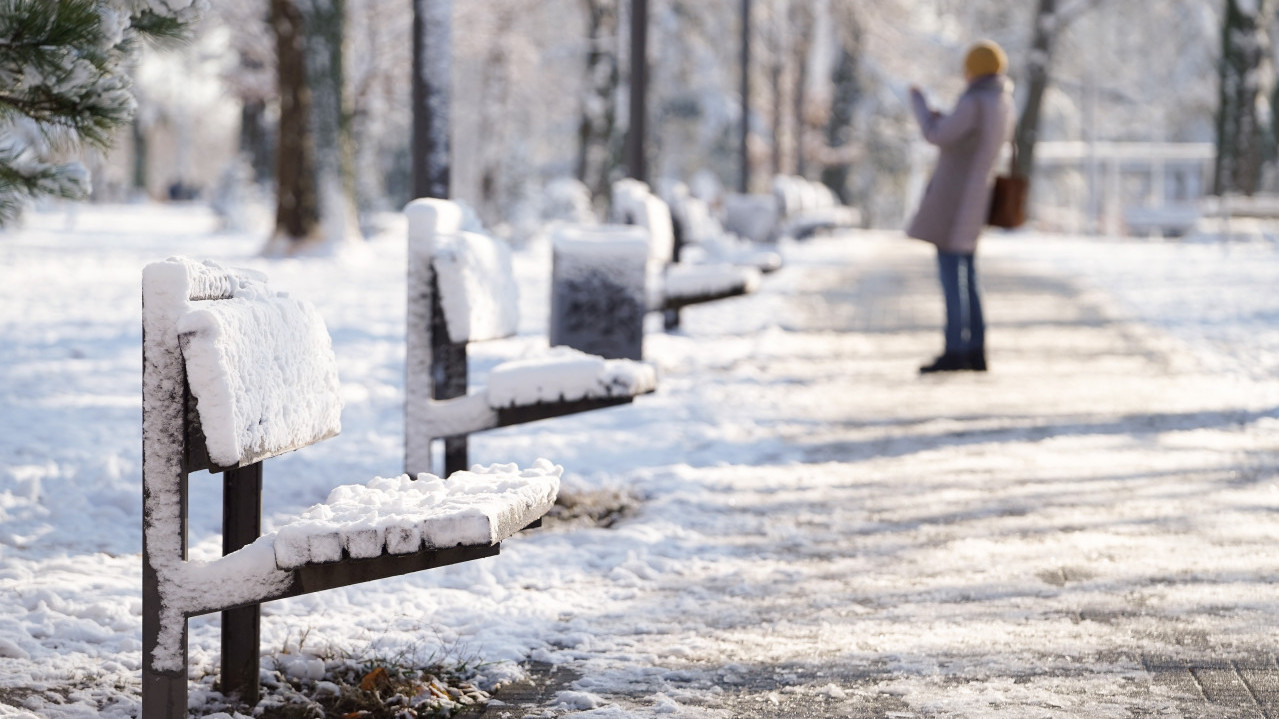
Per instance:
(449,379)
(241,628)
(164,694)
(456,455)
(670,319)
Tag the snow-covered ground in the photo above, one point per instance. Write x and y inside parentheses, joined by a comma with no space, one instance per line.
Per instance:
(815,525)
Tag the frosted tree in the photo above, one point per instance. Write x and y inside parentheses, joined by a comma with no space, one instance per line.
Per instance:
(1245,70)
(599,142)
(250,76)
(64,86)
(313,190)
(844,95)
(1050,21)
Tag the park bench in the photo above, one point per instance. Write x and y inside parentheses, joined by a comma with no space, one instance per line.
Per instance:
(701,238)
(806,208)
(461,289)
(675,284)
(234,374)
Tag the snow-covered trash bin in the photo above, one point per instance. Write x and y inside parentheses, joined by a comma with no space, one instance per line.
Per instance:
(599,289)
(462,289)
(235,373)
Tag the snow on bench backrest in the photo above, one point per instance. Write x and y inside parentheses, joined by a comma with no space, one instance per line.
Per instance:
(473,271)
(635,204)
(260,364)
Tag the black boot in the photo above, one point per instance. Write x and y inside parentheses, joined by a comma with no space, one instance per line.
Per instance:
(974,360)
(977,360)
(948,362)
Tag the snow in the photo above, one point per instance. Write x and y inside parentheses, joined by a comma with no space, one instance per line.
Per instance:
(683,281)
(564,374)
(617,244)
(814,529)
(634,203)
(477,287)
(404,514)
(263,373)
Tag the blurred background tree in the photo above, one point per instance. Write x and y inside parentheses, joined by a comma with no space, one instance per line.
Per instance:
(64,85)
(539,95)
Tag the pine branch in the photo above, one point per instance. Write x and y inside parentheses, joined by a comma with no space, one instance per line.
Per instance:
(64,84)
(161,30)
(25,177)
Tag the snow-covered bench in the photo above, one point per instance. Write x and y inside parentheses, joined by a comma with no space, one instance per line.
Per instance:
(701,238)
(461,289)
(233,374)
(806,208)
(676,284)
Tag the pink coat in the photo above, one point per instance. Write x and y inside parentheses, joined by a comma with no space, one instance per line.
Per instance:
(955,204)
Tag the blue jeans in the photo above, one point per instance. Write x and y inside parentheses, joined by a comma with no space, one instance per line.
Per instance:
(965,328)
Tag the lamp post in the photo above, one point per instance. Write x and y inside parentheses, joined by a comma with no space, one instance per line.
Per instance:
(744,178)
(432,50)
(636,166)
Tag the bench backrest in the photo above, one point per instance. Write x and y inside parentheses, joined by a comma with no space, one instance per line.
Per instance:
(461,288)
(635,204)
(472,272)
(259,365)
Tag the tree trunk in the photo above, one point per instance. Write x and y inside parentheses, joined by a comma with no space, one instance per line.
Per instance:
(432,73)
(140,157)
(1241,138)
(802,23)
(297,215)
(255,139)
(495,93)
(599,146)
(776,81)
(1046,25)
(839,126)
(325,23)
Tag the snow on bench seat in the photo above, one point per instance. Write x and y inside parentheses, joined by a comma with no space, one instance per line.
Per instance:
(689,284)
(566,375)
(401,515)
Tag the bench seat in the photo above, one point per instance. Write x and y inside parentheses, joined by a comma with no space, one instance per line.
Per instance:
(403,515)
(688,284)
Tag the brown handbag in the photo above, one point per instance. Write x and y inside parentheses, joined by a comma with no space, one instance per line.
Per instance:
(1008,198)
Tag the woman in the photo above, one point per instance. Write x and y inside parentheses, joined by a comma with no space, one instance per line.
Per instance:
(954,207)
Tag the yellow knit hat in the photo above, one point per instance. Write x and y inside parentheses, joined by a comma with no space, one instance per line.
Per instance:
(985,58)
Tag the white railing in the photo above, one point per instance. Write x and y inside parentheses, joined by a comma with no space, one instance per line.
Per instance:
(1107,187)
(1122,187)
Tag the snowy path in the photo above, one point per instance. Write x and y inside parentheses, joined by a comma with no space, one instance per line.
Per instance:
(1085,531)
(1066,536)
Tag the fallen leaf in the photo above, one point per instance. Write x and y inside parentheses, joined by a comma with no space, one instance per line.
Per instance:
(374,680)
